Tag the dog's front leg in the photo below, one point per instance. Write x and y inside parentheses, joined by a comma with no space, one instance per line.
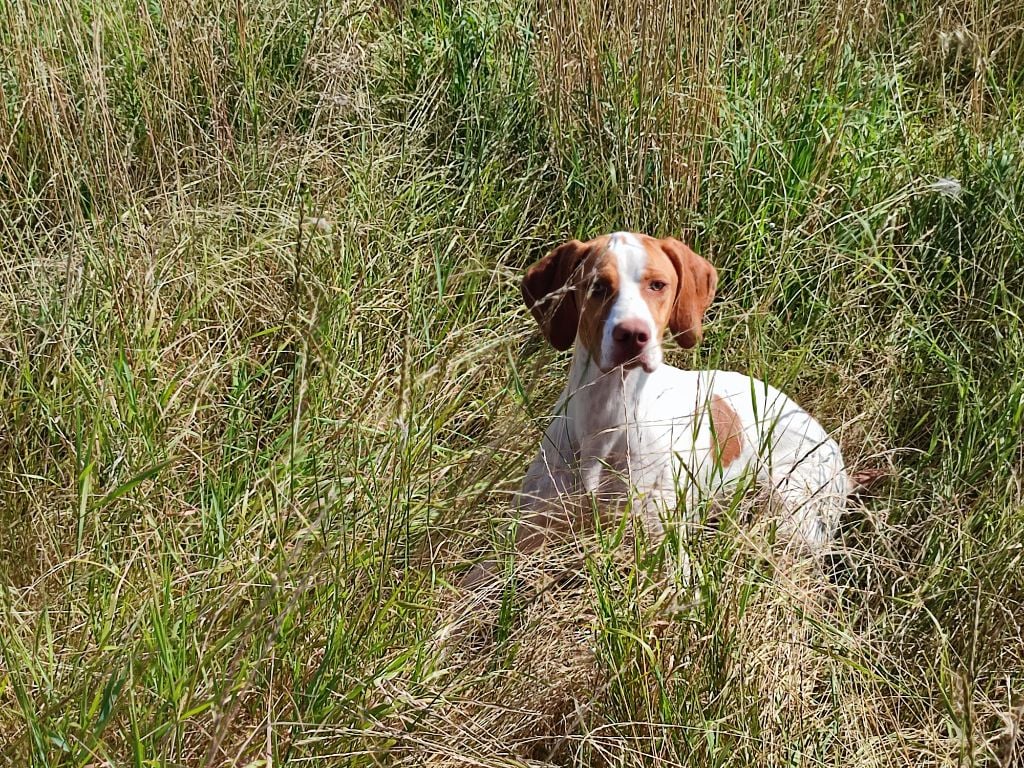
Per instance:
(544,505)
(547,500)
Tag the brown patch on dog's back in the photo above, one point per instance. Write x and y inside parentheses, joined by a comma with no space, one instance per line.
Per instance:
(726,432)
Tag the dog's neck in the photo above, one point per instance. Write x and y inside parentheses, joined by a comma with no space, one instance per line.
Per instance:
(598,401)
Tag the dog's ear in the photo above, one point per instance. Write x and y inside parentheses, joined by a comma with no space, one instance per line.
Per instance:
(550,294)
(697,283)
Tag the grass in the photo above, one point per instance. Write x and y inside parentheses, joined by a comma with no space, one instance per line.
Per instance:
(266,382)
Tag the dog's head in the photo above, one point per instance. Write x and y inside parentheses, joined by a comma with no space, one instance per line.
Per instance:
(617,294)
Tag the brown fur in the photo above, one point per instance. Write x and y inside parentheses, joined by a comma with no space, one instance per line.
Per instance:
(660,267)
(558,316)
(697,283)
(727,432)
(594,308)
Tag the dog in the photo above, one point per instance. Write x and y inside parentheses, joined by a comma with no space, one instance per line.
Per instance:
(627,426)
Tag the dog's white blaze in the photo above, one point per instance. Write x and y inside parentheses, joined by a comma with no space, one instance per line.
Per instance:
(631,262)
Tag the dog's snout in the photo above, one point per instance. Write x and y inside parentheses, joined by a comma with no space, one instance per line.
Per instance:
(632,333)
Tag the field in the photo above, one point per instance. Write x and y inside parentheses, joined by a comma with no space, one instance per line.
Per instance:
(266,382)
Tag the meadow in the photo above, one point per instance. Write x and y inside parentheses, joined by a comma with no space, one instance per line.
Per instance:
(267,384)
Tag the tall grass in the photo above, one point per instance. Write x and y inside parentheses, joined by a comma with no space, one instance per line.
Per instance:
(266,382)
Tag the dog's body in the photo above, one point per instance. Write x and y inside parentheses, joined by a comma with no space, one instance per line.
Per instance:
(670,438)
(628,426)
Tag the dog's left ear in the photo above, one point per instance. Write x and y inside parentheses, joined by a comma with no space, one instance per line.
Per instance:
(697,283)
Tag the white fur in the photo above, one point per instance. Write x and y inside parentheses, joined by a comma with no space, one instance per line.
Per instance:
(631,262)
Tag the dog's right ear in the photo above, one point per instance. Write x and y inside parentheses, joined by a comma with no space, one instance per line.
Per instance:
(549,293)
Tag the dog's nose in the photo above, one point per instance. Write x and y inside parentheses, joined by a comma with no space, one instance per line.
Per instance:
(632,334)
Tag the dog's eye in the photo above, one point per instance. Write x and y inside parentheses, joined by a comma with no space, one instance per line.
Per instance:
(658,285)
(600,288)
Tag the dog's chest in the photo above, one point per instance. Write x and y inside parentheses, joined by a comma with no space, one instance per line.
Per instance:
(630,453)
(643,434)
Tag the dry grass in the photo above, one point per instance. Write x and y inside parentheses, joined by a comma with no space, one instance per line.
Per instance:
(265,382)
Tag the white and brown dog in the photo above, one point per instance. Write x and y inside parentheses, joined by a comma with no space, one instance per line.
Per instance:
(628,426)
